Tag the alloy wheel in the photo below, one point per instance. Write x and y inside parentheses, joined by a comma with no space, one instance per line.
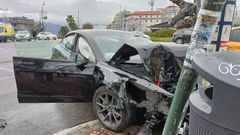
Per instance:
(106,105)
(179,41)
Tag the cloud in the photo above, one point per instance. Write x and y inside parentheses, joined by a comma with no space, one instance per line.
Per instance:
(98,12)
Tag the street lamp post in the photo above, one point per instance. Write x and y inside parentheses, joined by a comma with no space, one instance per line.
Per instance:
(42,17)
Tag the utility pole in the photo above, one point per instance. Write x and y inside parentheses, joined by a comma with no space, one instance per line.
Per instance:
(202,41)
(42,17)
(198,5)
(78,20)
(120,6)
(151,3)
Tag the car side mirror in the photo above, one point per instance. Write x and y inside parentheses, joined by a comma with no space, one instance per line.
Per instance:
(80,60)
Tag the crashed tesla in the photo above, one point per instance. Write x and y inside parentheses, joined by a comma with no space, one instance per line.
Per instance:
(120,72)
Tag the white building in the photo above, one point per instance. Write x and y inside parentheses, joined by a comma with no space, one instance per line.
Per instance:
(118,21)
(169,12)
(141,20)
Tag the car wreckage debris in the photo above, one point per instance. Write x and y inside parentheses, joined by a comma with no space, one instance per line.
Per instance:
(152,118)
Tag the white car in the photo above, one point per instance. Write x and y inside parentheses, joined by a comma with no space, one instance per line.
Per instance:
(46,36)
(23,35)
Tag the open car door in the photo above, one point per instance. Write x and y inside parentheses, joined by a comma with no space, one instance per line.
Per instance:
(46,80)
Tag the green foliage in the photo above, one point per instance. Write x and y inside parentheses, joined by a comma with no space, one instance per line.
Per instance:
(87,26)
(63,31)
(71,22)
(164,32)
(162,39)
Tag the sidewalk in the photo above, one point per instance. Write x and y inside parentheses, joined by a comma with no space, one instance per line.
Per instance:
(93,128)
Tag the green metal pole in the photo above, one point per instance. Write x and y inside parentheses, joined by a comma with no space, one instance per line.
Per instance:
(202,41)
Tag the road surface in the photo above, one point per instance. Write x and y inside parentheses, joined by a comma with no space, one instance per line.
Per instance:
(37,119)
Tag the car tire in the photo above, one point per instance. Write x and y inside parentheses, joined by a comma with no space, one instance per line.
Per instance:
(104,105)
(179,41)
(48,38)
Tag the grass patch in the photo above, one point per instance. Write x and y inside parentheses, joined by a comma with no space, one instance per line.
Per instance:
(163,39)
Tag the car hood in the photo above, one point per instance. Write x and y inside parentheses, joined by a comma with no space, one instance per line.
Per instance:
(157,61)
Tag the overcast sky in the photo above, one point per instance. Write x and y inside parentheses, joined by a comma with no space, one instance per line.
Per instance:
(100,12)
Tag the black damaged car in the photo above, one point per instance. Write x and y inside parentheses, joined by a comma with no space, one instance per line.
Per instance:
(120,72)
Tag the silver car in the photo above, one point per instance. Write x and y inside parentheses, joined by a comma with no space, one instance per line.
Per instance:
(23,35)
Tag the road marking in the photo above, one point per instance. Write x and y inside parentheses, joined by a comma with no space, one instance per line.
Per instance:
(6,69)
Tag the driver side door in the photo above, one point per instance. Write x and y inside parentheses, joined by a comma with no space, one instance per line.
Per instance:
(51,80)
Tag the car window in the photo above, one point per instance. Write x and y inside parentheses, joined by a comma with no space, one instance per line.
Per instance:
(85,50)
(136,59)
(68,42)
(234,36)
(179,32)
(110,44)
(22,32)
(188,32)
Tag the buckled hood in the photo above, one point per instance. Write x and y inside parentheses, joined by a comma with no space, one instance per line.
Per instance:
(159,64)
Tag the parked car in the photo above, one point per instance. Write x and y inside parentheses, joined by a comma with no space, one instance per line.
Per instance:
(120,72)
(6,32)
(234,40)
(23,35)
(182,36)
(46,36)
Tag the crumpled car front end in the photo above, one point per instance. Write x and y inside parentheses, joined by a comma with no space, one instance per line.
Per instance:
(155,71)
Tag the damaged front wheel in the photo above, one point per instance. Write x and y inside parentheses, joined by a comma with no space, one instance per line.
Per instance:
(105,104)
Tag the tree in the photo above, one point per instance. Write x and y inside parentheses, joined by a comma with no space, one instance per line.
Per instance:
(187,15)
(71,22)
(87,26)
(63,31)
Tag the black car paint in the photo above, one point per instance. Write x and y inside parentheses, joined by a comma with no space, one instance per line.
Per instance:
(40,80)
(182,35)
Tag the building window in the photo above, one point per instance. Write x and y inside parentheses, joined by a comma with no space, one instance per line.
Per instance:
(146,20)
(150,20)
(150,16)
(140,16)
(146,16)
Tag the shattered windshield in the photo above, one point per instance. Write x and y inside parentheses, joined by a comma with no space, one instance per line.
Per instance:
(22,32)
(110,44)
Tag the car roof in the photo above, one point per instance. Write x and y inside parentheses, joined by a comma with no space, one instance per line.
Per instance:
(177,50)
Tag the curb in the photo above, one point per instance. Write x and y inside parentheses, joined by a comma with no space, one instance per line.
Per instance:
(93,128)
(82,129)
